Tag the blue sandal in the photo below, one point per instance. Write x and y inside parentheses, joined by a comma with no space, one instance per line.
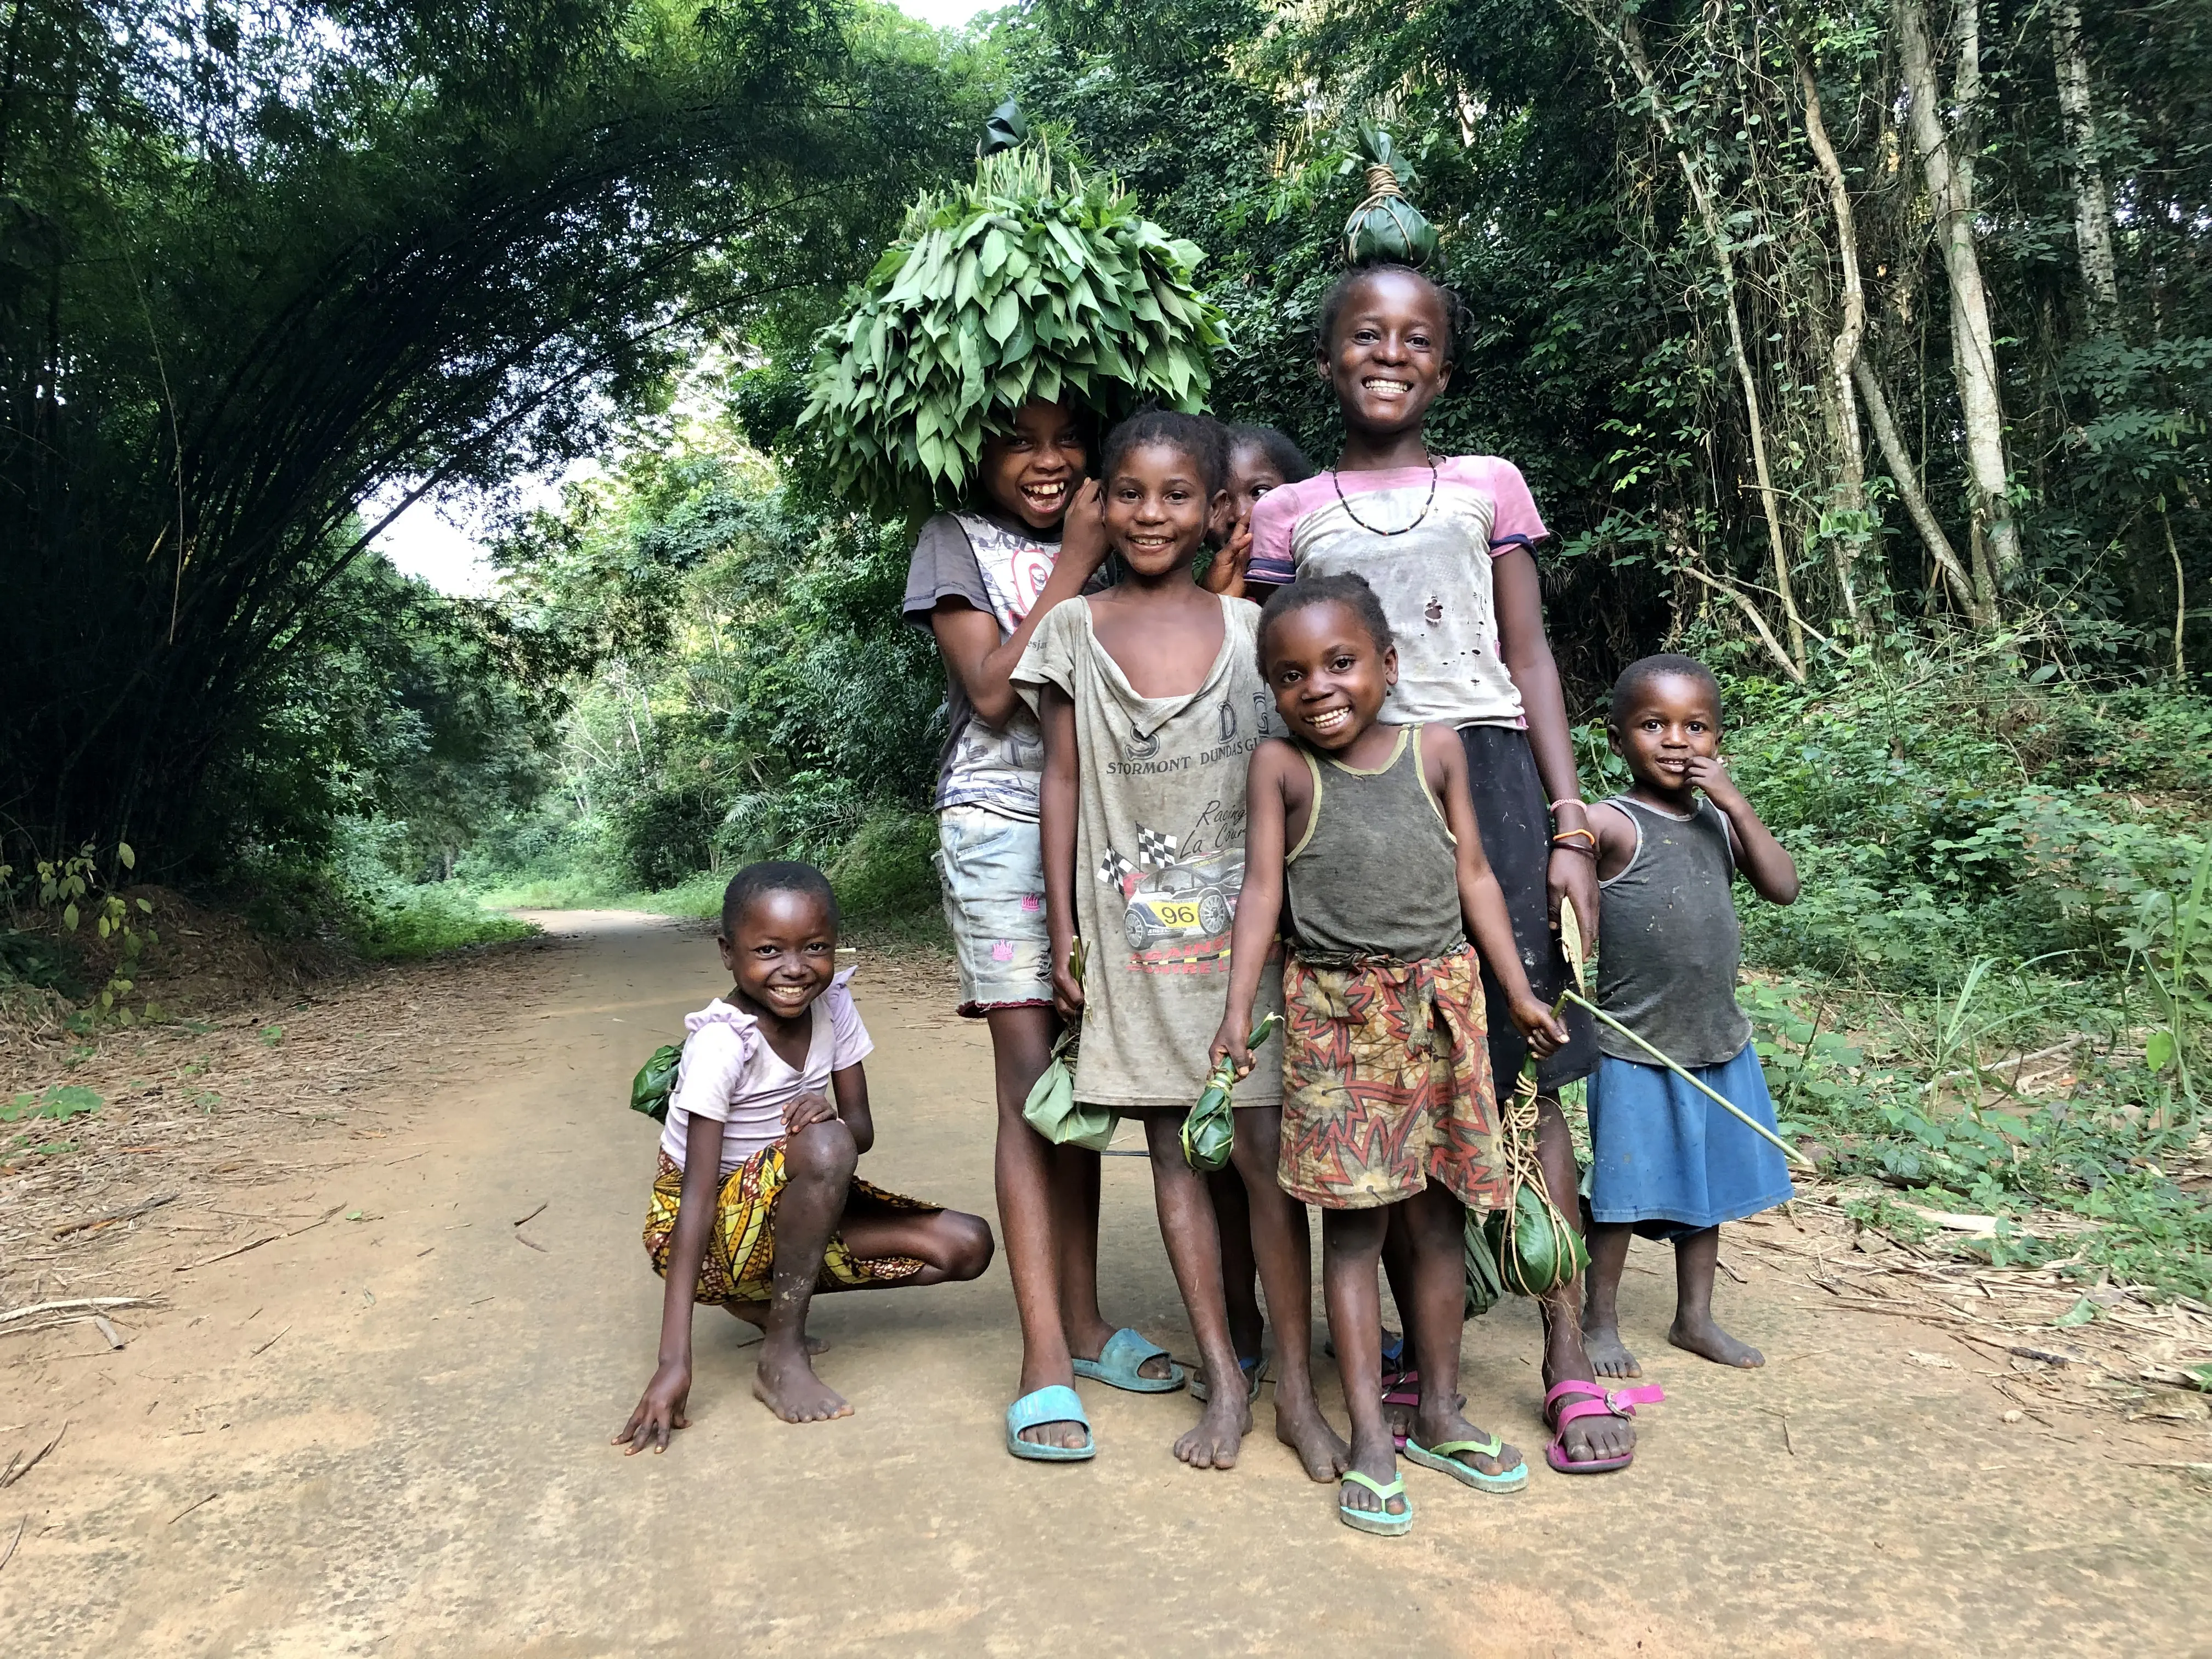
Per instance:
(1446,1458)
(1381,1522)
(1252,1370)
(1117,1362)
(1055,1404)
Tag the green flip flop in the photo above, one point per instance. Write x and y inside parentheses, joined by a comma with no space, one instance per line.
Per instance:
(1117,1362)
(1381,1522)
(1447,1457)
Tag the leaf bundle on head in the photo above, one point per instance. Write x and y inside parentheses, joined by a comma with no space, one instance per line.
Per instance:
(1385,228)
(1031,282)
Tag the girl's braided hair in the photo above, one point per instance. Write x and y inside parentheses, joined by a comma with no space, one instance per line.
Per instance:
(1200,437)
(1459,321)
(1347,588)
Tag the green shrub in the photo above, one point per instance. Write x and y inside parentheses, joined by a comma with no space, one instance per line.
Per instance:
(406,924)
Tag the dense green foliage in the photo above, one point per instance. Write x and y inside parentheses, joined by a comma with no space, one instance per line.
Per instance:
(259,267)
(1029,282)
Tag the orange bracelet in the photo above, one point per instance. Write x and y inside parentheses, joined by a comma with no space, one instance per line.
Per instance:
(1587,844)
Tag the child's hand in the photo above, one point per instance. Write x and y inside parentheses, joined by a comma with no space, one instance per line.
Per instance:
(1709,773)
(659,1411)
(1066,990)
(807,1110)
(1226,573)
(1083,532)
(1537,1023)
(1230,1040)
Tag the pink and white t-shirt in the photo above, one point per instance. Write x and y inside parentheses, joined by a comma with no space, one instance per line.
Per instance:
(730,1072)
(1434,579)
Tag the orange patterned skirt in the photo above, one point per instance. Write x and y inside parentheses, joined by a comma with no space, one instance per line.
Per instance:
(741,1249)
(1386,1084)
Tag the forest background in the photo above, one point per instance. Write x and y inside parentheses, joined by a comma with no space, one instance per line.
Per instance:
(1863,348)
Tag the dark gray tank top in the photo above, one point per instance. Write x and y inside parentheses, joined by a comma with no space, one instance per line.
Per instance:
(1669,940)
(1376,873)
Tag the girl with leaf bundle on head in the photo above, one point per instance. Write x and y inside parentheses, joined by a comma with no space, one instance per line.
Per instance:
(1013,314)
(1445,543)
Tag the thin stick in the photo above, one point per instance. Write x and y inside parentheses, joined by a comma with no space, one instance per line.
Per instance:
(208,1261)
(15,1475)
(17,1538)
(30,1307)
(67,1228)
(1730,1107)
(270,1344)
(534,1214)
(189,1508)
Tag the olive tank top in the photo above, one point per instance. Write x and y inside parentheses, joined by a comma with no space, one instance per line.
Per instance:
(1377,872)
(1669,943)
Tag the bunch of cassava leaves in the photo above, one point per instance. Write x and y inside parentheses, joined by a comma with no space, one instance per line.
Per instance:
(1030,282)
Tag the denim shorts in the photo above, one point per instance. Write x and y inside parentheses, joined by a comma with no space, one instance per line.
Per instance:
(992,869)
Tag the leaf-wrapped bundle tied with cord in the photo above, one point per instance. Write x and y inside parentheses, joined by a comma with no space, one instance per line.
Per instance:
(1385,228)
(1030,282)
(1209,1128)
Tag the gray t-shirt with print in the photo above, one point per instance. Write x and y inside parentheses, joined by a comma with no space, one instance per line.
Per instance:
(999,569)
(1159,859)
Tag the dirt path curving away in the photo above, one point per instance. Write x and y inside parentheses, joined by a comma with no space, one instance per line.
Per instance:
(388,1435)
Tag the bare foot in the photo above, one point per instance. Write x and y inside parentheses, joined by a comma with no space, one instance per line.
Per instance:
(1221,1430)
(1300,1425)
(755,1314)
(1609,1356)
(1433,1427)
(1379,1464)
(1708,1341)
(785,1384)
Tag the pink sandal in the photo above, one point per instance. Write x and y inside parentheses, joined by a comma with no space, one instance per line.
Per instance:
(1595,1402)
(1401,1389)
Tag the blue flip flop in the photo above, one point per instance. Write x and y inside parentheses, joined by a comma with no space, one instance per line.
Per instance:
(1381,1522)
(1117,1362)
(1446,1458)
(1055,1404)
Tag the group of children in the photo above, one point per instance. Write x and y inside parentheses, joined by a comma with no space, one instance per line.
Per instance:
(1166,810)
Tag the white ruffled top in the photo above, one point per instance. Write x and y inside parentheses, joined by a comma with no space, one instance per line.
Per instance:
(730,1073)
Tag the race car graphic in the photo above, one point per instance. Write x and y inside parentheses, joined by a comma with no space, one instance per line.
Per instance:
(1184,902)
(1189,905)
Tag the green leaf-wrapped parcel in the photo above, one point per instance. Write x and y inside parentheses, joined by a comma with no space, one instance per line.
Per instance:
(1030,282)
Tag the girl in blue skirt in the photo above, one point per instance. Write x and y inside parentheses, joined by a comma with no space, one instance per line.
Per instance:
(1666,1162)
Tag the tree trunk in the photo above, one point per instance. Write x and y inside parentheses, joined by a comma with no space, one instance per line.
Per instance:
(1849,494)
(1915,505)
(1947,170)
(2093,206)
(1630,39)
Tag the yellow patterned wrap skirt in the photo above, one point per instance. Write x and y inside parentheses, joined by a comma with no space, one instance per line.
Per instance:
(741,1249)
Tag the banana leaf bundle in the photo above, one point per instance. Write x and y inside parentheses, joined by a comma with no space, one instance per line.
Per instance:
(1052,1109)
(1385,228)
(655,1082)
(1534,1245)
(1030,282)
(1209,1128)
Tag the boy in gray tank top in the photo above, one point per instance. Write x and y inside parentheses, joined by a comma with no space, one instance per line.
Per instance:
(1389,1115)
(1665,1161)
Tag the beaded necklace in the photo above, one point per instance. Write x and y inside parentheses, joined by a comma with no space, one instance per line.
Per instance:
(1345,501)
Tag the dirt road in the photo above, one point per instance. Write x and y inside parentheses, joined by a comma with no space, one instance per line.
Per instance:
(388,1435)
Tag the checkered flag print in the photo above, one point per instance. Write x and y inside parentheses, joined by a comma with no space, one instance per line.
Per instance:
(1154,848)
(1114,870)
